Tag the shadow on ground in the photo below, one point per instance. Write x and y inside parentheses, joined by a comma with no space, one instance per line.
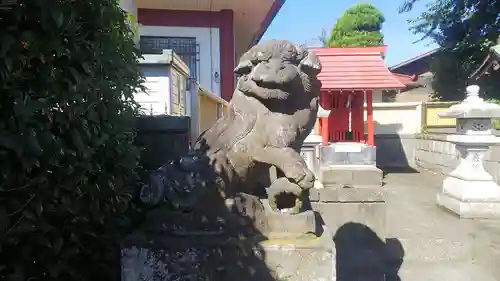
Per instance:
(399,170)
(395,149)
(362,256)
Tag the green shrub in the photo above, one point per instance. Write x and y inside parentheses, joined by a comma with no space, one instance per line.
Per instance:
(496,122)
(68,70)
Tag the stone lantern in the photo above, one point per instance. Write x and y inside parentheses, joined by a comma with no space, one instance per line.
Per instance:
(469,190)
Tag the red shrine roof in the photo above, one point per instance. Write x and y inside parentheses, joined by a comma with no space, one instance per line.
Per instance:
(355,68)
(405,79)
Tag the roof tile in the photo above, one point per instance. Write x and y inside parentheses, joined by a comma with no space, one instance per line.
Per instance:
(355,68)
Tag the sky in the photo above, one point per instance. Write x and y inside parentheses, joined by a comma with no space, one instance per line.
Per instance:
(301,21)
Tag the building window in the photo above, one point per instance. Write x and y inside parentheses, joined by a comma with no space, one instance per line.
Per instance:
(185,47)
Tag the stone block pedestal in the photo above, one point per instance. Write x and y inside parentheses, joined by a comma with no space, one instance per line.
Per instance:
(182,247)
(348,153)
(339,206)
(469,191)
(352,206)
(470,199)
(351,176)
(212,258)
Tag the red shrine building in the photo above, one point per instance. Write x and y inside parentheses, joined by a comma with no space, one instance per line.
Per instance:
(350,76)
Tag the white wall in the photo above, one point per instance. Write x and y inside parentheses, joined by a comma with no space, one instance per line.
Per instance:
(397,117)
(156,99)
(376,96)
(209,57)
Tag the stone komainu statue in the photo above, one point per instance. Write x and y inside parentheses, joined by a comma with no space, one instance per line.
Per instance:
(272,111)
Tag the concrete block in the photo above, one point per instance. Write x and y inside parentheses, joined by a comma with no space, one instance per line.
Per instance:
(286,225)
(310,259)
(337,214)
(308,152)
(339,194)
(350,176)
(469,198)
(347,154)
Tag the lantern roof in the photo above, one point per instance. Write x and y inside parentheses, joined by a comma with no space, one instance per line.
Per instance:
(472,107)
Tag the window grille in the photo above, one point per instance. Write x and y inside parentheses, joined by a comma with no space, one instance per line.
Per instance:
(185,47)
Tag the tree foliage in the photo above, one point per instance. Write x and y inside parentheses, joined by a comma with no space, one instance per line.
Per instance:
(359,25)
(68,71)
(465,30)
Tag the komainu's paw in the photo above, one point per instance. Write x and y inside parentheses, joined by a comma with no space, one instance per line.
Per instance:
(307,181)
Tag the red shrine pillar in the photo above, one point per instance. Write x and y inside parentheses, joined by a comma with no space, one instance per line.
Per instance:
(325,102)
(370,128)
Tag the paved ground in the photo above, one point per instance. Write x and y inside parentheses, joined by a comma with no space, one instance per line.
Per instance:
(437,245)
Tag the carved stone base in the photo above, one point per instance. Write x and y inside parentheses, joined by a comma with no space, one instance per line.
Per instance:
(470,199)
(166,258)
(290,225)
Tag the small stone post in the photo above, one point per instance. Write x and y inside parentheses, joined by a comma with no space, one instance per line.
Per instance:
(469,190)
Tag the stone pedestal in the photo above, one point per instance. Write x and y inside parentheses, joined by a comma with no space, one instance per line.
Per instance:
(351,203)
(356,218)
(340,205)
(212,258)
(348,165)
(347,153)
(351,176)
(349,193)
(251,241)
(293,250)
(469,191)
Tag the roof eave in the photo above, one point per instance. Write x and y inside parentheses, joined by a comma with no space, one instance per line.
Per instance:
(354,51)
(275,8)
(406,62)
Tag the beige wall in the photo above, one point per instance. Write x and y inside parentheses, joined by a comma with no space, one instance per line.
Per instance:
(210,109)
